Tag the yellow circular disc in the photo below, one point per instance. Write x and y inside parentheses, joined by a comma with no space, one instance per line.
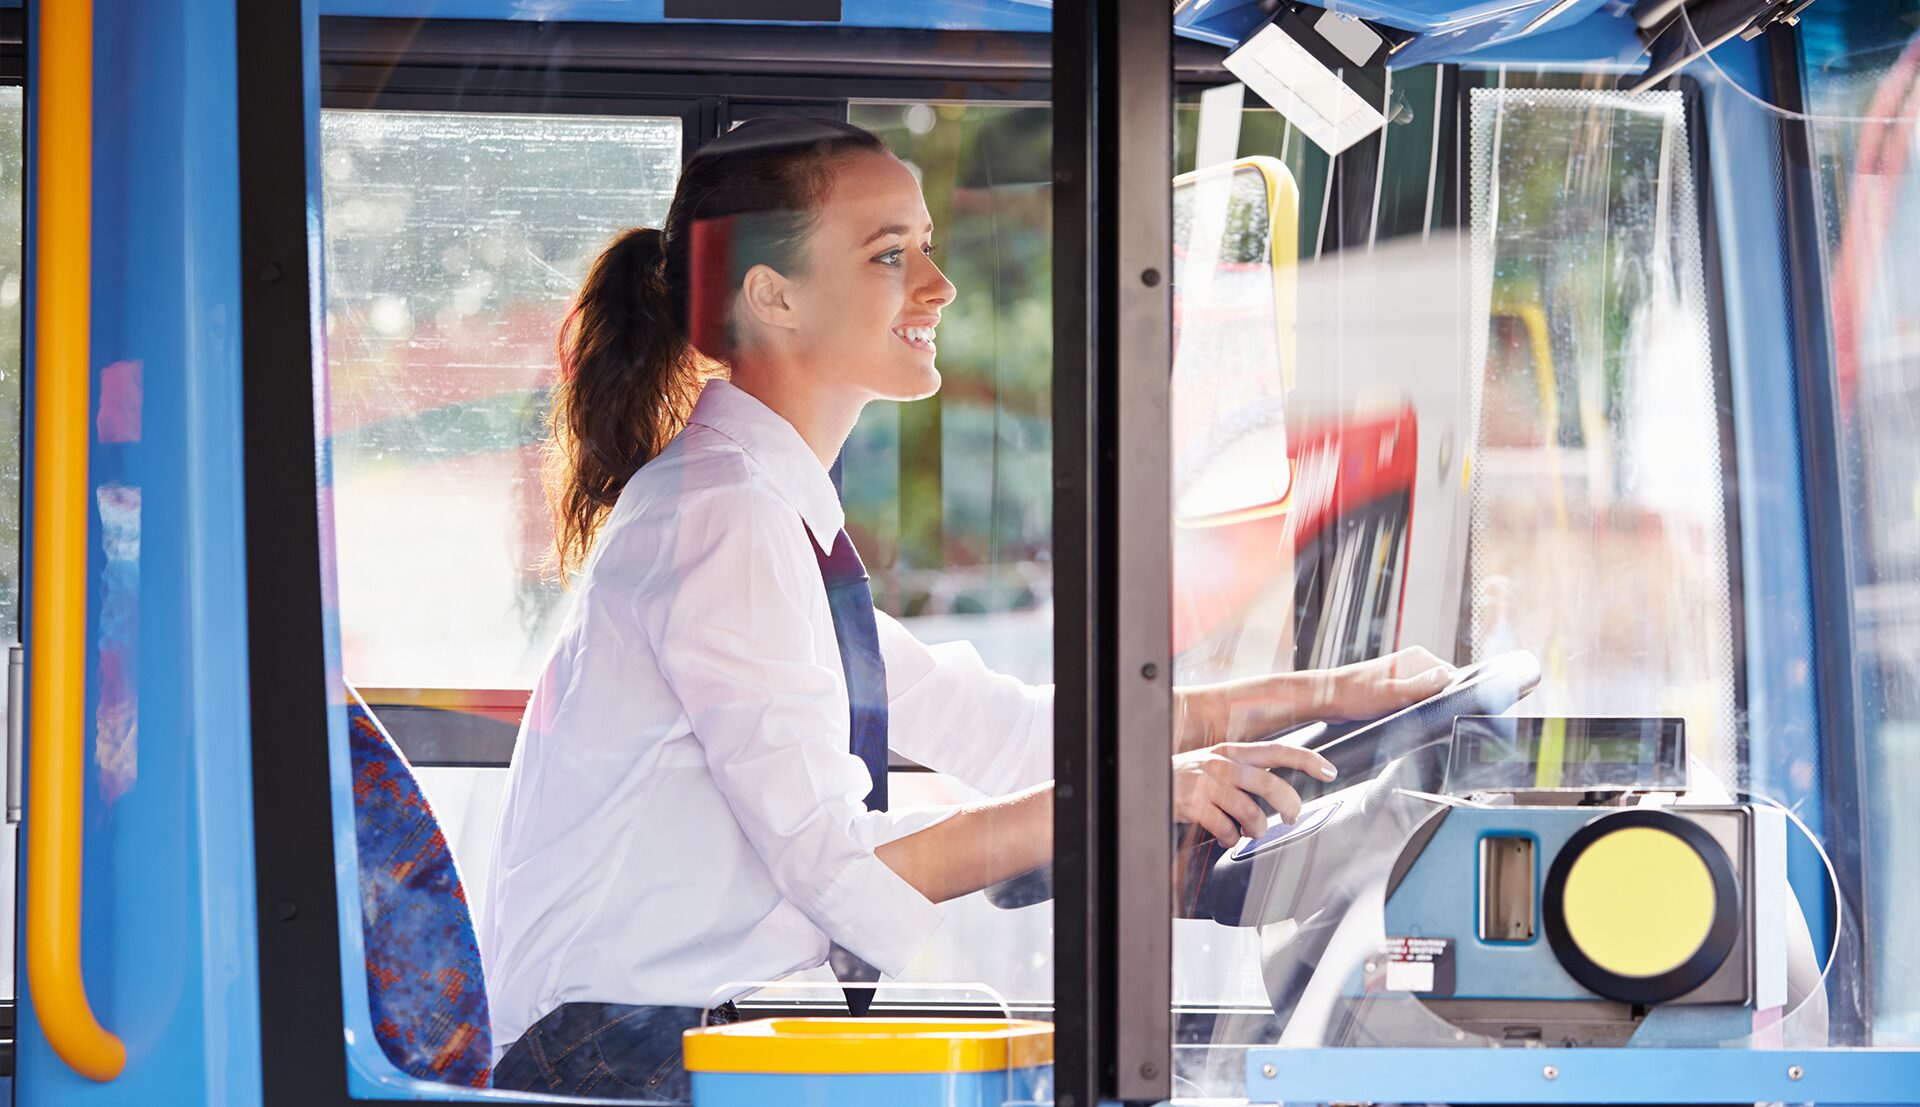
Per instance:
(1638,902)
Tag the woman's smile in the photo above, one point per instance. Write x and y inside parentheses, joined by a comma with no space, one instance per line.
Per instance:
(917,335)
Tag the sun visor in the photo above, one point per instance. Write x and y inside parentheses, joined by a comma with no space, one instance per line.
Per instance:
(1320,70)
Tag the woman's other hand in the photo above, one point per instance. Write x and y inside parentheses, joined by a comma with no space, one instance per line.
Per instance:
(1370,689)
(1214,788)
(1254,707)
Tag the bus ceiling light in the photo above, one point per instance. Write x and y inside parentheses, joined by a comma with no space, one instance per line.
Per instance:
(1318,69)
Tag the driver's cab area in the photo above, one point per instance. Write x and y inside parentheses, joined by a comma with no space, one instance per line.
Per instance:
(1491,377)
(470,174)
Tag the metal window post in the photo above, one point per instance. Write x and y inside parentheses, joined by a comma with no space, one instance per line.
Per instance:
(1113,317)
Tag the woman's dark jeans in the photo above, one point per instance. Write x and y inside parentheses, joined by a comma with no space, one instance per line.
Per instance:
(606,1051)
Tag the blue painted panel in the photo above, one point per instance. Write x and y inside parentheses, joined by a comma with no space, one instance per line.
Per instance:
(168,936)
(1829,1077)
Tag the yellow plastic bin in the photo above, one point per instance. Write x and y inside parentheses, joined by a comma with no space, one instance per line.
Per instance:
(871,1063)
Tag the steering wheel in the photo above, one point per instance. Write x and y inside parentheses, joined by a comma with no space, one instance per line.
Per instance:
(1273,877)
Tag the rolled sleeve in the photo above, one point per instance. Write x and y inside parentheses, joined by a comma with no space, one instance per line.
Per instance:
(949,712)
(729,610)
(877,828)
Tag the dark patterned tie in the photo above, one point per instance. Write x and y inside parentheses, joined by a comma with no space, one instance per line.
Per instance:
(851,602)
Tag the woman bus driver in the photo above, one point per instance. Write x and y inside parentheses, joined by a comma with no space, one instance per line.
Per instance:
(698,791)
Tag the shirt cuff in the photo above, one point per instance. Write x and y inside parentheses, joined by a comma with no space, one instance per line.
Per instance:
(873,829)
(873,912)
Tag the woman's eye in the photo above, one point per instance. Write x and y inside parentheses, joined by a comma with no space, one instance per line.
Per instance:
(929,249)
(891,257)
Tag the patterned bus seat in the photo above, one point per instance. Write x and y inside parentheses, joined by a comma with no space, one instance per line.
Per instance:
(424,981)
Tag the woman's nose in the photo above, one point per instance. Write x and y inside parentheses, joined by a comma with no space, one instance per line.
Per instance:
(935,288)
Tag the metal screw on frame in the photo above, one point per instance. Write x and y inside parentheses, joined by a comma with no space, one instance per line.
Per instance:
(1795,1072)
(1550,1072)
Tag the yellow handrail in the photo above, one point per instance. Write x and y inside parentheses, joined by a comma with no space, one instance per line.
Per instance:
(56,633)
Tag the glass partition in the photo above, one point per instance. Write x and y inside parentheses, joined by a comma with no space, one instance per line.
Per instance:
(1596,470)
(457,245)
(1447,443)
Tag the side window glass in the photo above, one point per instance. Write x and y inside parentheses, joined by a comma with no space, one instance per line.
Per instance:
(454,243)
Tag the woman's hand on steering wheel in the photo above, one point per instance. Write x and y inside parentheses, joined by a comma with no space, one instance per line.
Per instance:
(1215,787)
(1254,707)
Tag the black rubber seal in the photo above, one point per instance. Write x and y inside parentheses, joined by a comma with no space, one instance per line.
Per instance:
(1722,933)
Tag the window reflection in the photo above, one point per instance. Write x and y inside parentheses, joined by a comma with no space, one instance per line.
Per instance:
(454,243)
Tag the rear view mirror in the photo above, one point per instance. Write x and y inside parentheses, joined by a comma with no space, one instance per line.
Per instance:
(1234,245)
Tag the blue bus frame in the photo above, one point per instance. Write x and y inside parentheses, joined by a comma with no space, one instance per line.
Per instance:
(226,1005)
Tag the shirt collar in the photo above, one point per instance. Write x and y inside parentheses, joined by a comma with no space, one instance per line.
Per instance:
(769,439)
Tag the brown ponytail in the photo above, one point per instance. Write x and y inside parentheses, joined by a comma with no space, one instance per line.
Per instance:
(629,372)
(624,390)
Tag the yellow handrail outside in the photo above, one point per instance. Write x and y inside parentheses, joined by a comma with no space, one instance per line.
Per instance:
(56,634)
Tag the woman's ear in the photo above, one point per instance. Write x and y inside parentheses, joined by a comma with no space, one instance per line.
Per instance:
(764,297)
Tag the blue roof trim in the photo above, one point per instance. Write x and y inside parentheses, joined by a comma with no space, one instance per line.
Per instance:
(1225,22)
(1600,39)
(1448,30)
(1585,32)
(928,15)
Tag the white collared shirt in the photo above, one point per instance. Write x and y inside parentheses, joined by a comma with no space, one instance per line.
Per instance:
(683,809)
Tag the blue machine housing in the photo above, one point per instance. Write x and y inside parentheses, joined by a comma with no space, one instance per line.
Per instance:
(1439,897)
